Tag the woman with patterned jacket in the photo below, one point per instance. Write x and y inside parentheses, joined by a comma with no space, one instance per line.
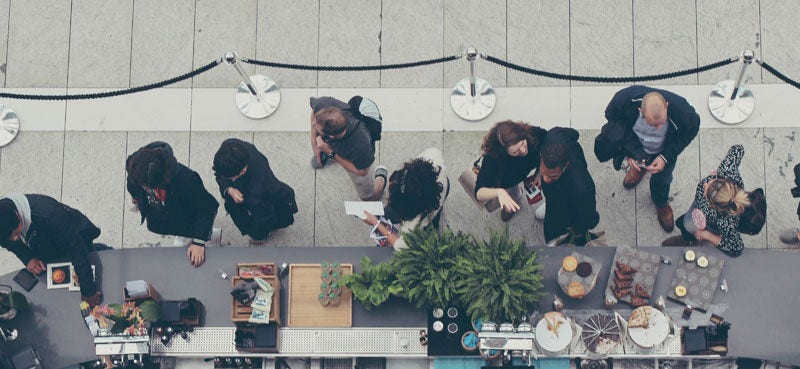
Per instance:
(721,198)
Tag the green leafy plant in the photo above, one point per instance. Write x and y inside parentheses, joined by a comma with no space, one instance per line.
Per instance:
(126,318)
(426,270)
(374,285)
(501,278)
(12,300)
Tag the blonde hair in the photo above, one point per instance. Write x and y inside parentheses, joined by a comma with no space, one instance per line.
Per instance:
(727,197)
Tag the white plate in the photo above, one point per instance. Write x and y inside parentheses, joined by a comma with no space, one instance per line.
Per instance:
(550,341)
(653,335)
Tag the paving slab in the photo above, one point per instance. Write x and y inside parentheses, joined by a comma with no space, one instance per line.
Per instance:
(397,148)
(100,43)
(214,109)
(349,34)
(527,22)
(412,30)
(300,46)
(779,33)
(219,27)
(780,155)
(38,44)
(165,109)
(665,39)
(477,23)
(601,38)
(32,163)
(162,41)
(4,14)
(726,28)
(543,106)
(38,115)
(9,262)
(134,233)
(94,178)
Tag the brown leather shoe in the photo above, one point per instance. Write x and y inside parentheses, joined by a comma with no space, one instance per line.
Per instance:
(632,178)
(665,218)
(506,216)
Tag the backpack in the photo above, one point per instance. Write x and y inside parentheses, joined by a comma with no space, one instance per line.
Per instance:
(367,111)
(755,215)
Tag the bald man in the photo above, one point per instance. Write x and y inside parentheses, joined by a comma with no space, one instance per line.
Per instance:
(658,125)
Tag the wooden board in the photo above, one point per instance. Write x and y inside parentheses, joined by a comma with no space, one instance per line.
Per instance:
(304,307)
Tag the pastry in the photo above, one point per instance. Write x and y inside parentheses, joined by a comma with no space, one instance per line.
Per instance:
(702,262)
(638,301)
(569,263)
(640,318)
(625,268)
(622,276)
(680,291)
(620,293)
(584,269)
(576,290)
(623,284)
(689,255)
(641,292)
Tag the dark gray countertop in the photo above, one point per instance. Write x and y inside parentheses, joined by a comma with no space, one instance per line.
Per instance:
(764,294)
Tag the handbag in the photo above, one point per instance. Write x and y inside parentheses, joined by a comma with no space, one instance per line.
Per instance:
(468,178)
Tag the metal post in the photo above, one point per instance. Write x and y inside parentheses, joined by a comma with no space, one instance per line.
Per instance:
(731,102)
(257,96)
(472,98)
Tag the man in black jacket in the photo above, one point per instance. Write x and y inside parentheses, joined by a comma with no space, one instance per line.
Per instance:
(257,202)
(171,197)
(39,230)
(656,126)
(569,189)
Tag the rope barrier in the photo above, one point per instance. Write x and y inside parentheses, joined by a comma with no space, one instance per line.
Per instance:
(99,95)
(780,75)
(570,77)
(352,68)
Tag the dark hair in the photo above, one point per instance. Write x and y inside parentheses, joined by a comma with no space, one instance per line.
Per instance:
(331,120)
(148,167)
(9,220)
(507,133)
(554,155)
(414,190)
(231,158)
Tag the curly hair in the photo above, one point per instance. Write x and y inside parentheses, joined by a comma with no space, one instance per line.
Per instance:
(555,155)
(505,134)
(148,167)
(414,189)
(230,159)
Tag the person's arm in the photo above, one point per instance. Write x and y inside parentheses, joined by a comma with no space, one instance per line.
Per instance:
(314,136)
(729,167)
(488,175)
(372,220)
(729,242)
(204,207)
(224,184)
(22,251)
(63,232)
(585,216)
(687,131)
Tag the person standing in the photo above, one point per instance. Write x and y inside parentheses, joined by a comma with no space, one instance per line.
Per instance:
(40,230)
(791,236)
(171,198)
(569,189)
(656,126)
(256,200)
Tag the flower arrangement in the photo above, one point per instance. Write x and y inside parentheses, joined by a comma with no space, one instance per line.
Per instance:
(127,318)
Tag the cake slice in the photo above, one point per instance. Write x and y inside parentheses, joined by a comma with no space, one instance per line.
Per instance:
(638,301)
(625,268)
(620,293)
(622,276)
(623,284)
(640,318)
(641,292)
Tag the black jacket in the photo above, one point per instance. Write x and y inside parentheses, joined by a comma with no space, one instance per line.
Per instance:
(268,203)
(684,123)
(58,232)
(189,209)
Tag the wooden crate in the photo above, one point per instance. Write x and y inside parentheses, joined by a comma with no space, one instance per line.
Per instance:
(272,265)
(241,313)
(152,294)
(304,307)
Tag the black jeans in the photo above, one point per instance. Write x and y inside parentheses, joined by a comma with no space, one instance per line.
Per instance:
(659,185)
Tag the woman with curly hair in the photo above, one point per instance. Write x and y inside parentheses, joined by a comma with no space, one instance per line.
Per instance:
(510,152)
(416,195)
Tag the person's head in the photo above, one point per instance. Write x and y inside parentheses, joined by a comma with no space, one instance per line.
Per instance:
(331,122)
(149,167)
(230,161)
(10,224)
(509,137)
(654,109)
(414,190)
(725,196)
(555,160)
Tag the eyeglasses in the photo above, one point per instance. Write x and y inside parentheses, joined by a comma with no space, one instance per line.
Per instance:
(714,188)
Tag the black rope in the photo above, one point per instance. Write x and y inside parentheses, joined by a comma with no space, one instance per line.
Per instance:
(351,68)
(610,79)
(114,93)
(780,75)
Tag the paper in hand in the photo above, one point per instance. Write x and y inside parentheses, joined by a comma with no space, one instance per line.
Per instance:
(357,208)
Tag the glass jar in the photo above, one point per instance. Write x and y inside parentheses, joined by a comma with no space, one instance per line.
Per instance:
(336,288)
(335,300)
(323,299)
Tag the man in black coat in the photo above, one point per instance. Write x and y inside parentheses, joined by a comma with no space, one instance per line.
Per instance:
(256,200)
(654,126)
(569,189)
(39,230)
(171,197)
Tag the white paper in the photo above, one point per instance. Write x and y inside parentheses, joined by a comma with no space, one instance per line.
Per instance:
(357,208)
(75,284)
(67,280)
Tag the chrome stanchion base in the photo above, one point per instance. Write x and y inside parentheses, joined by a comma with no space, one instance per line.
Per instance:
(9,125)
(730,111)
(254,107)
(473,108)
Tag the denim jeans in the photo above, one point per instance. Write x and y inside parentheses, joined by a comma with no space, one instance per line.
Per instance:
(659,185)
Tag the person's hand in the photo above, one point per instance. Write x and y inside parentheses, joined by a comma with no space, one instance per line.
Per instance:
(633,164)
(508,204)
(196,255)
(236,195)
(134,201)
(657,165)
(702,235)
(93,300)
(323,146)
(36,266)
(370,218)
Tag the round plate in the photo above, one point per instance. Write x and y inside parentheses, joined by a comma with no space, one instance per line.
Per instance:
(553,341)
(730,111)
(470,107)
(654,334)
(9,125)
(258,107)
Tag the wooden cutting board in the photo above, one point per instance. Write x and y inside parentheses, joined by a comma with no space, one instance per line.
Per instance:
(304,307)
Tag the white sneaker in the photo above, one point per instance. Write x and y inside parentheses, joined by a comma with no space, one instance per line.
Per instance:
(789,236)
(540,211)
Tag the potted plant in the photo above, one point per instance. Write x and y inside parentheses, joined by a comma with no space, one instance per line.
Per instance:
(427,269)
(11,302)
(501,279)
(127,318)
(373,286)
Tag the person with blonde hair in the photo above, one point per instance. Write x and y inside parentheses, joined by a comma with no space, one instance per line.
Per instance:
(721,199)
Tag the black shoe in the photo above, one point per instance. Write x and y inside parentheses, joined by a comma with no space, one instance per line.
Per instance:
(618,162)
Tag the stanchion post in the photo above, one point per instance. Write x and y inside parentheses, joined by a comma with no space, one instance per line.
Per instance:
(731,102)
(472,98)
(257,96)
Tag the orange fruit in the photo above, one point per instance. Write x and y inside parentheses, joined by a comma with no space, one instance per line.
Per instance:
(59,276)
